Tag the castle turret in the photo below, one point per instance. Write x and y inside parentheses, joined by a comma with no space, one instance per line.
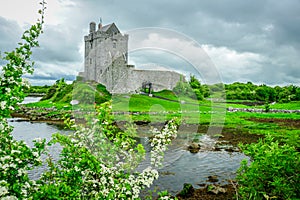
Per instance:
(92,27)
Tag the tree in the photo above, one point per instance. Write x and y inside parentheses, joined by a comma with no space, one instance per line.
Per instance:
(194,82)
(199,90)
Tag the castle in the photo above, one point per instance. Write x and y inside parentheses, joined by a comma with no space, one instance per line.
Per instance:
(106,62)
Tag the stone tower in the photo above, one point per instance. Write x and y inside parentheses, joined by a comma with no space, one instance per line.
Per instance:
(105,54)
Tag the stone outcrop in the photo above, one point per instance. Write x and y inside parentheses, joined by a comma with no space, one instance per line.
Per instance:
(194,147)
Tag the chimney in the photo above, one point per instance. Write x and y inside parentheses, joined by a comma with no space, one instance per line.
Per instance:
(99,26)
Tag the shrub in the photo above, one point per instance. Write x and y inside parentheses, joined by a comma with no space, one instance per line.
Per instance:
(184,89)
(274,171)
(16,157)
(99,162)
(187,190)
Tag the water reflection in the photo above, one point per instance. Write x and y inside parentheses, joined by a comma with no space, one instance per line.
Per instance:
(31,99)
(28,131)
(181,166)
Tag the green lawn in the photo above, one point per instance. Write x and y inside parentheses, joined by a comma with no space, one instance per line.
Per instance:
(50,104)
(145,108)
(157,110)
(210,113)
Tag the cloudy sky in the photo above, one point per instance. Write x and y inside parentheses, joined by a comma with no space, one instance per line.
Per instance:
(257,41)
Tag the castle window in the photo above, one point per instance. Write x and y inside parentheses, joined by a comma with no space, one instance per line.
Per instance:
(124,57)
(90,61)
(114,45)
(100,71)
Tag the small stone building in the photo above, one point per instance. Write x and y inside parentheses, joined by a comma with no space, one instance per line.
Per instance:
(106,62)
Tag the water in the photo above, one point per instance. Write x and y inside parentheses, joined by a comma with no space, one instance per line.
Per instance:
(195,168)
(28,131)
(31,99)
(180,165)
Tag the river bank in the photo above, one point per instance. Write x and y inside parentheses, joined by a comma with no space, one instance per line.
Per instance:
(227,140)
(216,159)
(41,114)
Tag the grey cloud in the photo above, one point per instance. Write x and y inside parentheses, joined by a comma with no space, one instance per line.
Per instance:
(59,44)
(266,28)
(52,77)
(10,34)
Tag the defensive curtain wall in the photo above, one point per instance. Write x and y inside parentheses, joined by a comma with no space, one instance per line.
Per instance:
(106,62)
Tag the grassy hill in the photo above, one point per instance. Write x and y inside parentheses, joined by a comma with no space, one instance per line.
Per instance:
(86,93)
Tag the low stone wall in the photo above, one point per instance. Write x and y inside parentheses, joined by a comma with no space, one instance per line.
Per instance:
(230,109)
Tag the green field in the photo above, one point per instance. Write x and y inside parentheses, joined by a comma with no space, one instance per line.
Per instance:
(144,108)
(165,105)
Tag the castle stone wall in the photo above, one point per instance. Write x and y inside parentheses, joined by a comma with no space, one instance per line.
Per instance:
(133,80)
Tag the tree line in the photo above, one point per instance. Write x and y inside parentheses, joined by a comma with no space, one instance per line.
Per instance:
(193,88)
(238,91)
(250,91)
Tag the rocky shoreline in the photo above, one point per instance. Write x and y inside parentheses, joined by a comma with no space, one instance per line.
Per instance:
(226,141)
(54,114)
(208,192)
(40,114)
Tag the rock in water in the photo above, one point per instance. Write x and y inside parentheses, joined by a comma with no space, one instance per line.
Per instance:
(213,179)
(215,189)
(194,147)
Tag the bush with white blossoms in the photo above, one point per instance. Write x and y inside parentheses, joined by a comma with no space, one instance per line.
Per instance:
(16,157)
(160,141)
(98,161)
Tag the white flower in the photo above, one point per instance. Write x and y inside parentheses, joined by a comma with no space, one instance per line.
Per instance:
(76,169)
(38,139)
(8,90)
(12,165)
(3,191)
(21,172)
(15,151)
(35,154)
(3,105)
(9,198)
